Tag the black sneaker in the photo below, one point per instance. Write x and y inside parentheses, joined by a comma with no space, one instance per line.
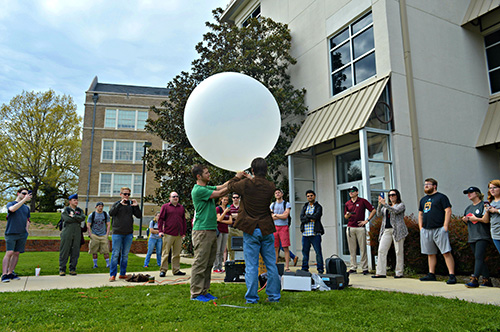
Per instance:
(451,280)
(487,282)
(14,276)
(352,271)
(162,274)
(429,277)
(366,272)
(178,273)
(5,277)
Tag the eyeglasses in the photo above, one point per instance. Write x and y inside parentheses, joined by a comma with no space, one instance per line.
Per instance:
(24,193)
(236,197)
(428,184)
(353,191)
(493,188)
(126,194)
(175,196)
(310,195)
(392,195)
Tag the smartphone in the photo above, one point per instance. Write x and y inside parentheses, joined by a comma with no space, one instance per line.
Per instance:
(382,195)
(30,192)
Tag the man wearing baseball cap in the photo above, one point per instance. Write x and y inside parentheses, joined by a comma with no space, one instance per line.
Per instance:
(98,225)
(72,217)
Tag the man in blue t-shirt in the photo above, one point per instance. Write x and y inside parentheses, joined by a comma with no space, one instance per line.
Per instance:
(434,215)
(16,233)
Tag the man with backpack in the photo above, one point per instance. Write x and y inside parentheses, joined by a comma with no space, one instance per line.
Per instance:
(98,226)
(281,215)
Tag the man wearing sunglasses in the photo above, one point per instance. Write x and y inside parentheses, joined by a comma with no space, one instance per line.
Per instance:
(16,233)
(122,224)
(354,212)
(233,231)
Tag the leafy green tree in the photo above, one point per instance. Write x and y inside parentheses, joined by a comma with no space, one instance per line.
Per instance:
(40,145)
(260,50)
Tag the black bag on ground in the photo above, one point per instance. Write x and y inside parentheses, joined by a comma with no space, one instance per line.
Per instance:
(336,265)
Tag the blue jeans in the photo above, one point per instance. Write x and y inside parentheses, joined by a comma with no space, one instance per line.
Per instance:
(253,244)
(315,241)
(152,243)
(497,244)
(121,246)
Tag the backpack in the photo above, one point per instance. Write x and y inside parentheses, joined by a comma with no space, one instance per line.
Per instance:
(284,209)
(336,265)
(92,217)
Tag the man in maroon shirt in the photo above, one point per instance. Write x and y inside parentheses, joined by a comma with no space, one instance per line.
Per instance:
(354,212)
(172,226)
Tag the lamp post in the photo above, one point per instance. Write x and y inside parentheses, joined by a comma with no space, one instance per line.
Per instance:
(146,146)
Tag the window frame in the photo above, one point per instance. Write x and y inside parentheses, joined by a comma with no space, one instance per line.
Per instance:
(353,61)
(488,70)
(134,193)
(136,145)
(117,117)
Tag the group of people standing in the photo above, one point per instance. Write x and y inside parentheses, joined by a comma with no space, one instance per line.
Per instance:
(482,219)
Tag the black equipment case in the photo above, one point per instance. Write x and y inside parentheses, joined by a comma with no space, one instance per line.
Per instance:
(336,265)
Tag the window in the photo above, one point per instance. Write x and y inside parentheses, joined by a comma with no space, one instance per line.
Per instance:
(124,119)
(352,55)
(492,43)
(254,14)
(111,183)
(122,151)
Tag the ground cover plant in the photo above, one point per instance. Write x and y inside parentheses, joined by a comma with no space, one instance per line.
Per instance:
(49,263)
(168,308)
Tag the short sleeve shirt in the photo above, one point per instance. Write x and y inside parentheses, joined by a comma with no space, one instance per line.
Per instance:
(477,230)
(495,221)
(206,216)
(98,226)
(357,210)
(277,208)
(17,220)
(154,225)
(433,207)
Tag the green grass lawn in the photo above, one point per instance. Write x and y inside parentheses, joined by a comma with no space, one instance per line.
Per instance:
(168,308)
(49,263)
(45,218)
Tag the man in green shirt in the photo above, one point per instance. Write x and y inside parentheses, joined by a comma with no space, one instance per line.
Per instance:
(204,234)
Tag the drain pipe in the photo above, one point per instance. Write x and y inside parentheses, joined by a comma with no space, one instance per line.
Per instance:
(415,138)
(95,97)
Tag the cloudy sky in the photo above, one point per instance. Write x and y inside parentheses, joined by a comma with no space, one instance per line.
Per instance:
(63,44)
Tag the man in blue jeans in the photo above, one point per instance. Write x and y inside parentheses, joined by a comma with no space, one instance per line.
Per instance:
(312,229)
(122,223)
(255,220)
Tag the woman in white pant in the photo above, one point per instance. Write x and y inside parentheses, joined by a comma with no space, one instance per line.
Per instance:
(393,228)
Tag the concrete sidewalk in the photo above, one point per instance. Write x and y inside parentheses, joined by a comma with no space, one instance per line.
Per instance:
(485,295)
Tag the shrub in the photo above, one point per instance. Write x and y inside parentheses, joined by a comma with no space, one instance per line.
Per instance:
(415,262)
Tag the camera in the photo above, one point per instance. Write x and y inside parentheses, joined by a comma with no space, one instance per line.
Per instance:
(30,192)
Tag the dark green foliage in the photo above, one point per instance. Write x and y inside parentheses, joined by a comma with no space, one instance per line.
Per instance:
(260,50)
(415,262)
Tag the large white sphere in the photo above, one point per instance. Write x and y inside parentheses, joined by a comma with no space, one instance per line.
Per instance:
(230,119)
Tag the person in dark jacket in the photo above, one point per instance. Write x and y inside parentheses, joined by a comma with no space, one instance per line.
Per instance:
(71,233)
(122,224)
(312,229)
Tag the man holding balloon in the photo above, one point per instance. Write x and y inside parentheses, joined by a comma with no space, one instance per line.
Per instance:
(204,234)
(256,222)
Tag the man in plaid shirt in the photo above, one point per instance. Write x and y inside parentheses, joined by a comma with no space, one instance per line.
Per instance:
(312,229)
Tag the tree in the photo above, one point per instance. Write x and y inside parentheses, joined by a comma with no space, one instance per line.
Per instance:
(260,50)
(40,145)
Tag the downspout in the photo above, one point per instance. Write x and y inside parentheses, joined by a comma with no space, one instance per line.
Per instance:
(95,97)
(415,138)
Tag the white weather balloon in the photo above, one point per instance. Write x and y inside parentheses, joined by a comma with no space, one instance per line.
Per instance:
(230,119)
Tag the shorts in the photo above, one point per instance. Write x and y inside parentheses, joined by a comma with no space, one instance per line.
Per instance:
(434,238)
(282,234)
(98,244)
(15,242)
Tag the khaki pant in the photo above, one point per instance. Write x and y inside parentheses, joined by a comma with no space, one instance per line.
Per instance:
(383,248)
(357,236)
(205,249)
(232,232)
(174,243)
